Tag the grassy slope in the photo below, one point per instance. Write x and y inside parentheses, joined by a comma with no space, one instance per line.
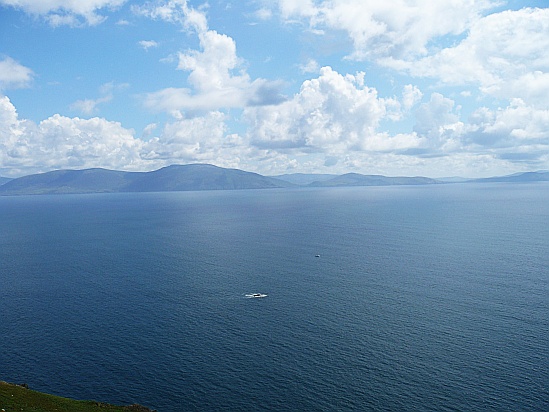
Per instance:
(18,398)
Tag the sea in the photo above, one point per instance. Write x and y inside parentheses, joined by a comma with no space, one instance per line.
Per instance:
(401,298)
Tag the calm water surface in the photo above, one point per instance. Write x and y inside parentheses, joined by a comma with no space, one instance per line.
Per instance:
(431,298)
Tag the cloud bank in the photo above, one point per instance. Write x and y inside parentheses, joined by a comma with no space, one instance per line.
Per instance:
(459,51)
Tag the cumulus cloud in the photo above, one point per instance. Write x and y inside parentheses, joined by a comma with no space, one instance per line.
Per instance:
(203,139)
(14,75)
(436,116)
(517,125)
(439,126)
(216,74)
(513,135)
(60,142)
(335,120)
(504,54)
(66,12)
(189,139)
(410,96)
(333,114)
(332,122)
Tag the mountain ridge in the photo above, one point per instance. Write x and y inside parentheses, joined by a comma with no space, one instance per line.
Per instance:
(169,178)
(201,176)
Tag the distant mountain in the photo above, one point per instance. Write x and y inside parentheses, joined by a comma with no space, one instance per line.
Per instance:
(171,178)
(209,177)
(304,179)
(200,177)
(542,176)
(67,181)
(4,180)
(355,179)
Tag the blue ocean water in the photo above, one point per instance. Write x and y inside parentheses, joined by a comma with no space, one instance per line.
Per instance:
(428,298)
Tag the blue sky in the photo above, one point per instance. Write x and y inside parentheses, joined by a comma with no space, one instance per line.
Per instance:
(399,87)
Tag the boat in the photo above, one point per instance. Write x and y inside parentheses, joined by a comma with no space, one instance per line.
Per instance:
(256,295)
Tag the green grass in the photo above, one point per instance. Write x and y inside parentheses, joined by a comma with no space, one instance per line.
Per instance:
(18,398)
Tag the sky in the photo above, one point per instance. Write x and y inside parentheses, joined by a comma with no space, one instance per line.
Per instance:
(395,87)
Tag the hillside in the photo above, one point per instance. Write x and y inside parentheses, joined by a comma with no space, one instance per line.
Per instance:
(171,178)
(67,181)
(20,398)
(199,177)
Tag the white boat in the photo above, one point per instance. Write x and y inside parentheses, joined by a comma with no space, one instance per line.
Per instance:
(256,295)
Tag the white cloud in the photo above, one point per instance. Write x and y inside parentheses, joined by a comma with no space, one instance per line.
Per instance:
(504,54)
(174,11)
(335,120)
(297,8)
(411,95)
(189,140)
(14,75)
(60,142)
(532,87)
(147,44)
(435,116)
(397,28)
(78,142)
(516,134)
(517,125)
(211,68)
(438,123)
(66,12)
(203,139)
(332,122)
(332,114)
(216,74)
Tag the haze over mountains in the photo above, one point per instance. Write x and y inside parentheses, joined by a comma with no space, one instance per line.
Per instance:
(207,177)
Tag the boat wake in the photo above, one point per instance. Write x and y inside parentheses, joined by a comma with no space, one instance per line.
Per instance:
(255,295)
